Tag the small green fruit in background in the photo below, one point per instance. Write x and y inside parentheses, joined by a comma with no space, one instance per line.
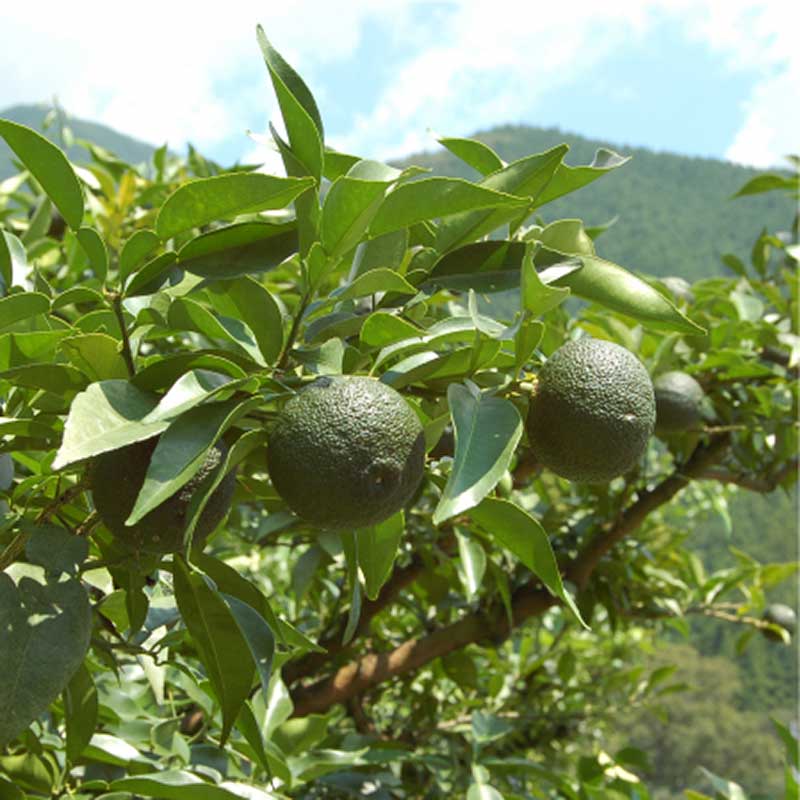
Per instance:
(679,399)
(115,479)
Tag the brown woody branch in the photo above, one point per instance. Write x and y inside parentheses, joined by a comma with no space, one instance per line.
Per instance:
(374,668)
(753,483)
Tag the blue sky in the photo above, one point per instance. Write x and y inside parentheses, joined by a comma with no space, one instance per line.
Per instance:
(714,78)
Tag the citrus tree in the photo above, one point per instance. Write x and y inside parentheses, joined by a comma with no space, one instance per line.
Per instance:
(354,481)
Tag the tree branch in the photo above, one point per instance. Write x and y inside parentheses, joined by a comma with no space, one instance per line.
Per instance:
(752,483)
(530,600)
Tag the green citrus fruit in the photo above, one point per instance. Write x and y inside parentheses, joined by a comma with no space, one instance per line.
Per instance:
(591,412)
(679,399)
(115,479)
(346,452)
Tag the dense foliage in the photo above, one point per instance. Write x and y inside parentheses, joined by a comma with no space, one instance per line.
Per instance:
(483,642)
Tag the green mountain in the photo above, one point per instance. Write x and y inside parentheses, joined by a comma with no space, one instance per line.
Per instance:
(674,213)
(126,147)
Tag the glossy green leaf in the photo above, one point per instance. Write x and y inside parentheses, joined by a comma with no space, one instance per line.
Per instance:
(526,177)
(350,545)
(770,182)
(526,340)
(6,266)
(388,250)
(349,208)
(383,328)
(23,305)
(181,451)
(240,249)
(568,179)
(519,532)
(473,562)
(135,250)
(97,355)
(487,430)
(614,287)
(537,297)
(95,249)
(482,791)
(80,712)
(376,280)
(57,378)
(257,634)
(205,200)
(115,413)
(219,642)
(189,315)
(567,236)
(39,615)
(151,276)
(298,109)
(249,301)
(184,785)
(478,155)
(76,295)
(377,549)
(50,168)
(431,198)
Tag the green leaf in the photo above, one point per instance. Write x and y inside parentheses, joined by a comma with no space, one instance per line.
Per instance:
(112,414)
(14,265)
(257,634)
(57,378)
(252,303)
(80,712)
(431,198)
(614,287)
(483,266)
(135,250)
(151,276)
(181,451)
(377,549)
(239,249)
(217,637)
(349,207)
(526,340)
(205,200)
(526,177)
(388,250)
(97,355)
(537,297)
(567,236)
(376,280)
(183,785)
(350,546)
(188,315)
(487,430)
(55,548)
(769,182)
(519,532)
(567,179)
(95,249)
(478,155)
(38,616)
(482,791)
(298,109)
(6,266)
(382,328)
(488,727)
(473,562)
(24,305)
(49,166)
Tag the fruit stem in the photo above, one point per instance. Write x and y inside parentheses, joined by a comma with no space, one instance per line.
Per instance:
(287,348)
(127,355)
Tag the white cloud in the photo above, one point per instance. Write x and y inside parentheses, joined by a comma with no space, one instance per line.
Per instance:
(168,70)
(490,57)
